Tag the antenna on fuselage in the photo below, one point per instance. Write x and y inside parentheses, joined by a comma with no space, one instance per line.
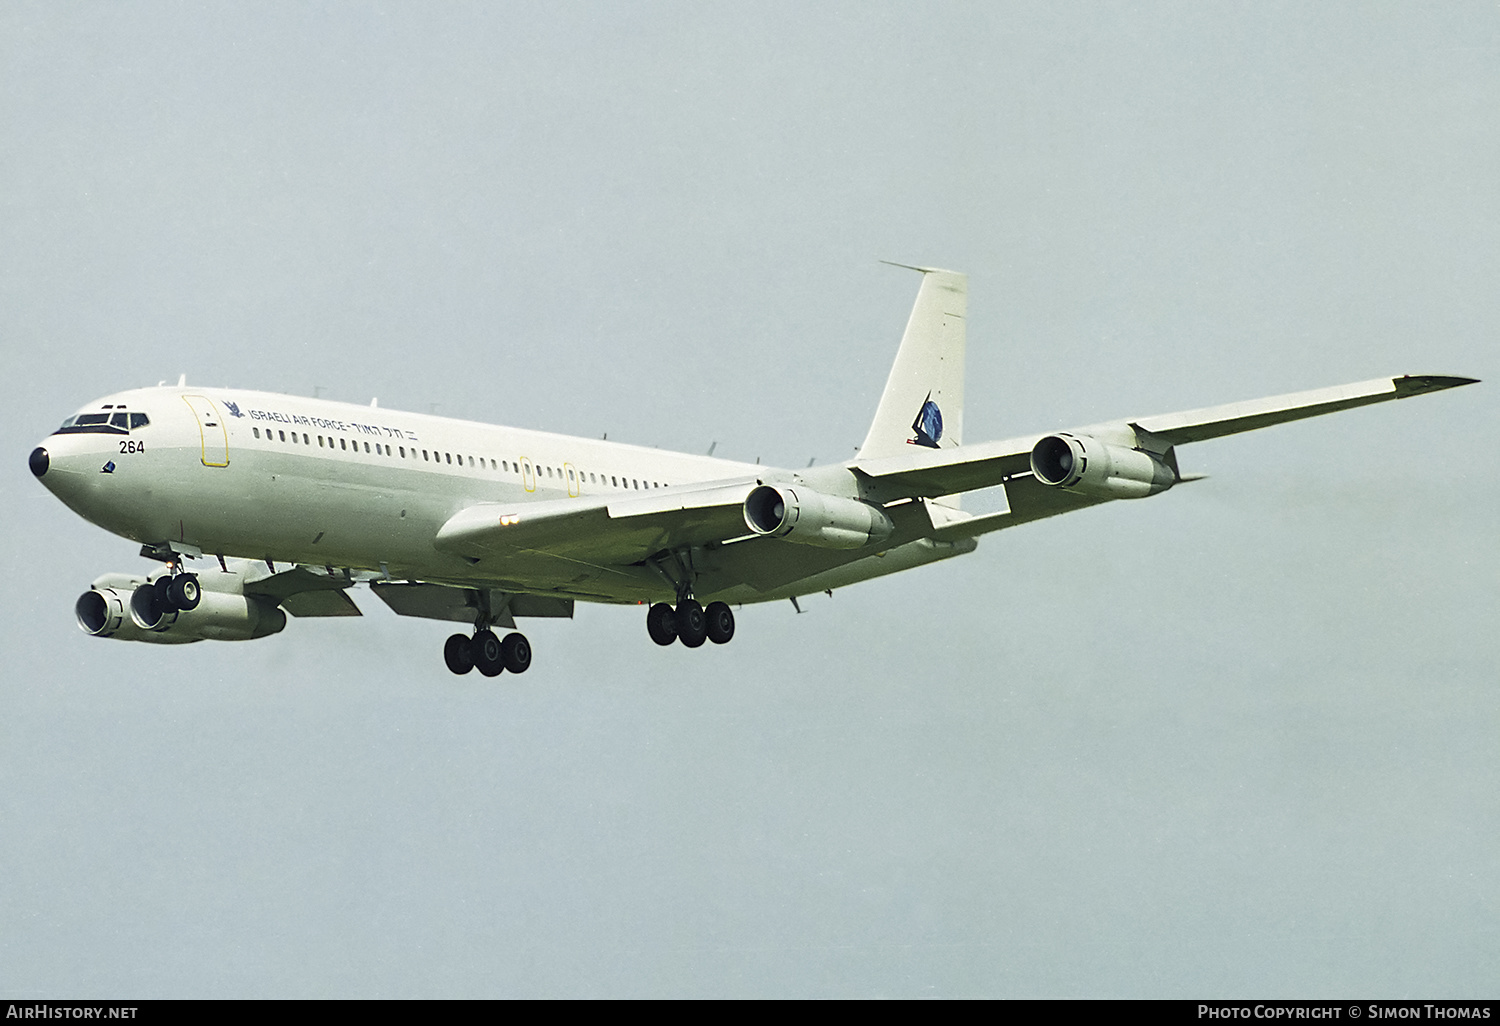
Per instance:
(712,447)
(182,381)
(374,403)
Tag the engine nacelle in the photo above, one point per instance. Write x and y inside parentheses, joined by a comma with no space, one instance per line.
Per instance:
(126,607)
(105,613)
(219,616)
(799,514)
(1087,465)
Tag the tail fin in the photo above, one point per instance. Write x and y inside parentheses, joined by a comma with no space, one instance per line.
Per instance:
(923,403)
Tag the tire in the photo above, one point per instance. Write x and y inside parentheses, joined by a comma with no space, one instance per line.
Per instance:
(720,623)
(661,624)
(515,651)
(692,625)
(185,592)
(487,654)
(163,604)
(458,655)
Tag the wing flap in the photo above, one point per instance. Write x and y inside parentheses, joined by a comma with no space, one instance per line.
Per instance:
(928,473)
(320,603)
(463,605)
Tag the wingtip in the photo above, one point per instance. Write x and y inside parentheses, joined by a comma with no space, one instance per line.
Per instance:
(923,270)
(1418,384)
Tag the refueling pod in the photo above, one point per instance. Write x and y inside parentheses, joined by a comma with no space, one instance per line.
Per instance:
(799,514)
(1086,464)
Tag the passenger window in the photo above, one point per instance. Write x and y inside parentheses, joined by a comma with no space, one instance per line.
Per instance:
(283,435)
(257,432)
(402,450)
(341,444)
(320,441)
(424,455)
(549,471)
(367,447)
(614,482)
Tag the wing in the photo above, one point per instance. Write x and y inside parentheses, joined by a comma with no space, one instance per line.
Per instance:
(596,538)
(603,532)
(929,473)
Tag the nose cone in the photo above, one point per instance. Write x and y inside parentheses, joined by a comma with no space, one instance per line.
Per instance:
(40,461)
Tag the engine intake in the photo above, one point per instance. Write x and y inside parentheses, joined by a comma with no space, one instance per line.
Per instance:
(1085,464)
(802,515)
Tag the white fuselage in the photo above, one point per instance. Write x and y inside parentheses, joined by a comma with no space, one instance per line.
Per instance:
(290,479)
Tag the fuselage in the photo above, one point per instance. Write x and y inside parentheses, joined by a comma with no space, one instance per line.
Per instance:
(289,479)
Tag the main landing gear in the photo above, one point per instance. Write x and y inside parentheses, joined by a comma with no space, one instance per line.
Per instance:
(690,623)
(488,654)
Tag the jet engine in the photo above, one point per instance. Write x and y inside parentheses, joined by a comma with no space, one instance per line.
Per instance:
(799,514)
(1087,465)
(131,609)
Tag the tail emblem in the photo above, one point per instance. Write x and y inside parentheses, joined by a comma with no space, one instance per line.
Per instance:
(928,425)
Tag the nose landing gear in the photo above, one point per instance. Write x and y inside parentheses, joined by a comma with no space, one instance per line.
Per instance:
(153,603)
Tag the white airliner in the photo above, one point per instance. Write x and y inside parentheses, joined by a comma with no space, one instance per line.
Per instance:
(285,503)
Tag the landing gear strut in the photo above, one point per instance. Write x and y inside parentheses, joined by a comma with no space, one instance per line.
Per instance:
(488,654)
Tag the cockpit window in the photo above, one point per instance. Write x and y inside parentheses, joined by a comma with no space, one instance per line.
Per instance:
(120,423)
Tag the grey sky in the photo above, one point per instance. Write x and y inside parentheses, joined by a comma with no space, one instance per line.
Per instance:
(1236,739)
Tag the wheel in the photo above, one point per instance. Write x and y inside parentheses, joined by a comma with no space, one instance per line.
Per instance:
(692,625)
(515,650)
(720,622)
(163,603)
(487,657)
(458,655)
(184,592)
(661,624)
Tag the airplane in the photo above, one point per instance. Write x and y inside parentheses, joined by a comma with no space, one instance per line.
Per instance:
(299,500)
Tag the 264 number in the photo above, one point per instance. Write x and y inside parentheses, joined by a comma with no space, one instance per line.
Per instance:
(132,446)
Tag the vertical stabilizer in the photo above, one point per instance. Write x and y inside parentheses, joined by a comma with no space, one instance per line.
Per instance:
(923,402)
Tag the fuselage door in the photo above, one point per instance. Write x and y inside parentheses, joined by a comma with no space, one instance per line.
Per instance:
(528,475)
(572,473)
(211,429)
